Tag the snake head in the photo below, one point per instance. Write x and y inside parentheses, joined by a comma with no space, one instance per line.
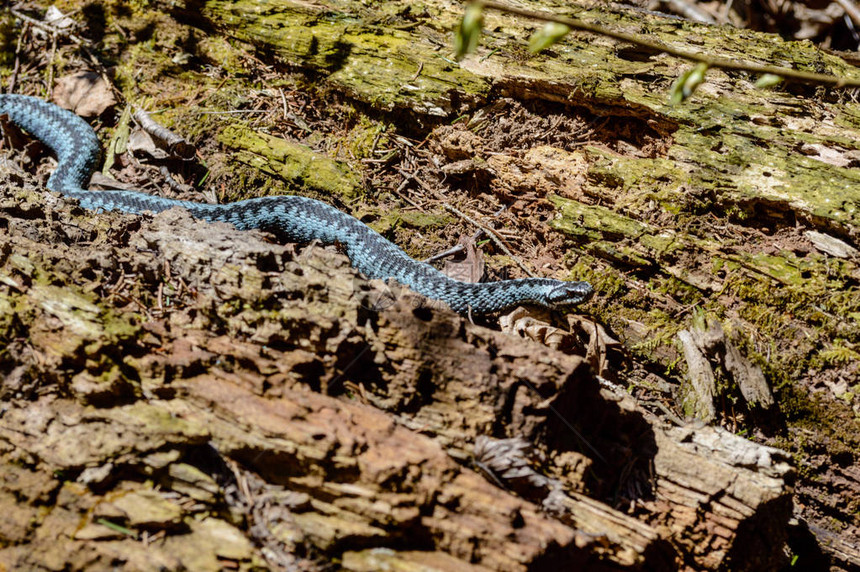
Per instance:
(569,294)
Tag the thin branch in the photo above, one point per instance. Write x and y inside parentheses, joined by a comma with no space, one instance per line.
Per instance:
(851,9)
(49,27)
(714,62)
(494,236)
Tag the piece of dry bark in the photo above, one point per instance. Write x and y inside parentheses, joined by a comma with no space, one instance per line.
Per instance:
(705,346)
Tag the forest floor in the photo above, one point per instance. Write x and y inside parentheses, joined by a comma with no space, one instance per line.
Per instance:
(104,314)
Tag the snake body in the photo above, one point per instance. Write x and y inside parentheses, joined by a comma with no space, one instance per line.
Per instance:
(294,218)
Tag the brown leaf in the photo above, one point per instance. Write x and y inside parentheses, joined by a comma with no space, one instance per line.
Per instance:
(141,143)
(583,336)
(470,269)
(85,93)
(605,354)
(524,324)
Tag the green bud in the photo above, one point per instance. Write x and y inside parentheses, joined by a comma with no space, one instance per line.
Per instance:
(469,31)
(547,36)
(687,83)
(768,80)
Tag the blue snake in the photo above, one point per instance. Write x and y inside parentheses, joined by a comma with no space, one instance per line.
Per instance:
(293,218)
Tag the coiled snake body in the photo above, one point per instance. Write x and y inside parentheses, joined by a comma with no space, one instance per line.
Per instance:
(295,219)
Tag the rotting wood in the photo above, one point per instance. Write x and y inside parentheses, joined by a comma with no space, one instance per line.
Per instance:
(719,216)
(367,479)
(736,172)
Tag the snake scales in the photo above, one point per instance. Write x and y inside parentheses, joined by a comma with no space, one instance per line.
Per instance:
(295,219)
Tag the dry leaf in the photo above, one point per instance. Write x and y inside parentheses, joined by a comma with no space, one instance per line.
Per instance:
(605,354)
(470,269)
(583,336)
(55,18)
(85,93)
(141,143)
(523,323)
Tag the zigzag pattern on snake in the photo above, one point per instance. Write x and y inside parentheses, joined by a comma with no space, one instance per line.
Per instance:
(293,218)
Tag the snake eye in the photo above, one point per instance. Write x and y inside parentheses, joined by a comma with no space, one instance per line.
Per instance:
(570,293)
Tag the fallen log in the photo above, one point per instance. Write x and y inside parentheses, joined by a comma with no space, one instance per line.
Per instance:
(206,419)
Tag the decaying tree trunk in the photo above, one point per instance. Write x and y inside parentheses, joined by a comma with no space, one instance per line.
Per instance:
(207,410)
(181,394)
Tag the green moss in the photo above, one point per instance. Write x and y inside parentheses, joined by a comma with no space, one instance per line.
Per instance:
(220,52)
(838,353)
(589,222)
(366,137)
(387,222)
(8,38)
(747,176)
(386,67)
(425,220)
(296,164)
